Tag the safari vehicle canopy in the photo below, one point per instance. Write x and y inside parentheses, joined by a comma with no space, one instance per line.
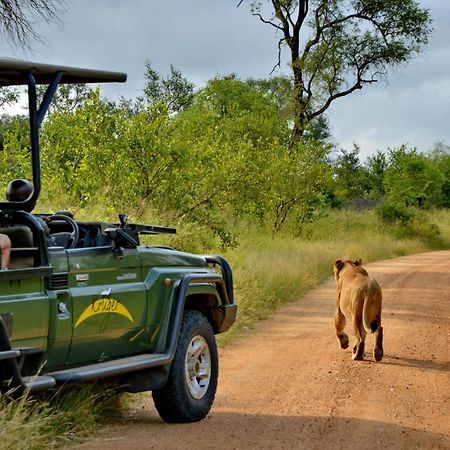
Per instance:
(19,72)
(86,301)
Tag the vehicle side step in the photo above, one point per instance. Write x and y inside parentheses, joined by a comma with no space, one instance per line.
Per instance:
(28,350)
(9,354)
(110,368)
(38,383)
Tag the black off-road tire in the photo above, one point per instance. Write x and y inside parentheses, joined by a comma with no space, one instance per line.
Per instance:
(175,401)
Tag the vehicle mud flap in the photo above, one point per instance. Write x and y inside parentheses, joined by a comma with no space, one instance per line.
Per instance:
(229,313)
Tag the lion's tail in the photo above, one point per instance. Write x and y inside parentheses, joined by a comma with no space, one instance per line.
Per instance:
(369,325)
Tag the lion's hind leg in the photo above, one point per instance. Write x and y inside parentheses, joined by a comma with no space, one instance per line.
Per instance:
(378,349)
(360,333)
(339,322)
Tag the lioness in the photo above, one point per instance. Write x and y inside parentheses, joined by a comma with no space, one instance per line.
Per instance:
(358,300)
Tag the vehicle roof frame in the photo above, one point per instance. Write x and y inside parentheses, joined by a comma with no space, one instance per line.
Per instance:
(36,116)
(18,72)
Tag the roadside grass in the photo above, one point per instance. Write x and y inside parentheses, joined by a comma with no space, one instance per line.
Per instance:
(268,271)
(441,217)
(53,421)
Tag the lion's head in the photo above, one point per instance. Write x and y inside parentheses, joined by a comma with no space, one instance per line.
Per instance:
(340,265)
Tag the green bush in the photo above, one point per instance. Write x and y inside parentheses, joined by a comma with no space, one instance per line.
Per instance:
(419,227)
(408,223)
(391,214)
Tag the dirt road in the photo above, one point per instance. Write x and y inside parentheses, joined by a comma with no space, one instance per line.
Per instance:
(288,385)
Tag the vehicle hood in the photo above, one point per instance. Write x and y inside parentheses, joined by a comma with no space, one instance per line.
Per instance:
(165,257)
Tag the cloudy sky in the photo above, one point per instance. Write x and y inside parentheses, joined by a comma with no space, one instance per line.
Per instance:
(206,38)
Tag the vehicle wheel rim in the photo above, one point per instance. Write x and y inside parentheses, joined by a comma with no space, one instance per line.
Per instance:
(198,367)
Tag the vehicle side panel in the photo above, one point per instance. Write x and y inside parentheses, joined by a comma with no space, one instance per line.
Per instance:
(24,303)
(108,304)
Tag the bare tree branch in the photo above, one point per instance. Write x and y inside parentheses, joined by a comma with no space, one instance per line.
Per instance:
(18,18)
(278,64)
(316,39)
(261,18)
(333,97)
(282,18)
(287,14)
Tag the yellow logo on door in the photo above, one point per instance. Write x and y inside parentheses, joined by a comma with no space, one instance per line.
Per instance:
(103,305)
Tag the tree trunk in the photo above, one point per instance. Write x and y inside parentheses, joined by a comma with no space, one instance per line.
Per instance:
(299,105)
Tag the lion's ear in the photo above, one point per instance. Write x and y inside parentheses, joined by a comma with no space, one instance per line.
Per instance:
(338,265)
(358,262)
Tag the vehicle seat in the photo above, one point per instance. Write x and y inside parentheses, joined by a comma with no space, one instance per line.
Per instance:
(21,238)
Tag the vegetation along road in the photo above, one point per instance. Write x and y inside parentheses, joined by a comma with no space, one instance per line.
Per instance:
(287,384)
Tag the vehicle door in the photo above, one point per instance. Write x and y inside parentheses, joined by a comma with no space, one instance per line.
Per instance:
(108,304)
(24,306)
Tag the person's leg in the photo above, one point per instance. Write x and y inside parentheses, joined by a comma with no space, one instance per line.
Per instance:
(5,246)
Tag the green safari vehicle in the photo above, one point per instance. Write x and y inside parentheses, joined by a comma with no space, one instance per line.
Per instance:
(84,301)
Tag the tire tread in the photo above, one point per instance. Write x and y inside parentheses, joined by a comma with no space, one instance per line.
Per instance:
(173,401)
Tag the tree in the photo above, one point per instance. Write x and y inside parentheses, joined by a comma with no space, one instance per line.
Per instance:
(230,137)
(175,90)
(376,166)
(9,95)
(350,175)
(412,179)
(14,148)
(100,150)
(280,88)
(19,17)
(440,157)
(338,46)
(236,162)
(17,125)
(68,97)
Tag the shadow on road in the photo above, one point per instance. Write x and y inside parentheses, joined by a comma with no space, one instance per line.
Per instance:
(250,431)
(419,363)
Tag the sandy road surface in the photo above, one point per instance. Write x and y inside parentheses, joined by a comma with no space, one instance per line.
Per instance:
(287,384)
